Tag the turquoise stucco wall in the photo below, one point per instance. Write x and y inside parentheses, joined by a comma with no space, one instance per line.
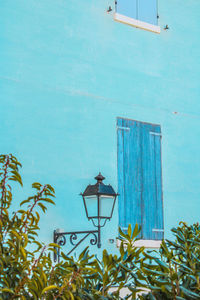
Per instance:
(67,70)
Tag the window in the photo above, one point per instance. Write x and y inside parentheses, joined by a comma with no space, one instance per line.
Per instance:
(138,13)
(140,178)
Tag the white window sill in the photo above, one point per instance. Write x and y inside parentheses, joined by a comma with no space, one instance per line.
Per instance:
(145,243)
(136,23)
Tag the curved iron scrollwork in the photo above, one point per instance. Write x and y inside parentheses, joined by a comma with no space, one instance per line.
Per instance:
(60,239)
(73,237)
(93,241)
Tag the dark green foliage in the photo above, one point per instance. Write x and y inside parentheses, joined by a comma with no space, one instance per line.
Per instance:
(174,271)
(26,273)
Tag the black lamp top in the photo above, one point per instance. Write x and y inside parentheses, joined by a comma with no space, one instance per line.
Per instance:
(99,188)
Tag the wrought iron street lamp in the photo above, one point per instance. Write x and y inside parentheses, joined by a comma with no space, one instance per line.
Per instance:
(99,201)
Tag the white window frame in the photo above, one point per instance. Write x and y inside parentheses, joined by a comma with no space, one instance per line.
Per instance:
(136,23)
(151,244)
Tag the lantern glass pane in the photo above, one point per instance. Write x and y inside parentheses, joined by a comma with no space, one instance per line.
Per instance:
(92,206)
(106,205)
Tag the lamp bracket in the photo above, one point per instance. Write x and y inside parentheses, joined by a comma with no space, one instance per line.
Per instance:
(104,223)
(60,239)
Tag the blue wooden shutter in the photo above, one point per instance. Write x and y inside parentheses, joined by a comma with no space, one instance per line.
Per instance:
(139,177)
(142,10)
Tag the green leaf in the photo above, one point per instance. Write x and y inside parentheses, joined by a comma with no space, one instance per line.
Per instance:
(36,185)
(49,288)
(25,201)
(54,245)
(17,176)
(71,295)
(135,231)
(16,234)
(123,234)
(189,293)
(83,253)
(162,264)
(23,252)
(129,230)
(64,256)
(42,207)
(48,200)
(7,291)
(152,272)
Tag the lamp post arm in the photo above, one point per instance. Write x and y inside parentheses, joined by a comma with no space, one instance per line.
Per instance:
(60,239)
(99,235)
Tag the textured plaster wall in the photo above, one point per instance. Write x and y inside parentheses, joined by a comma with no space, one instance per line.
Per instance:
(67,70)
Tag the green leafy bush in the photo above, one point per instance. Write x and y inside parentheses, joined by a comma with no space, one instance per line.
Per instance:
(174,271)
(26,273)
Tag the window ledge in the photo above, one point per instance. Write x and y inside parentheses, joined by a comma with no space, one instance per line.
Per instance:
(136,23)
(155,244)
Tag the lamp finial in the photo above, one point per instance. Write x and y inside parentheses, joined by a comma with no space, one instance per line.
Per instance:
(99,178)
